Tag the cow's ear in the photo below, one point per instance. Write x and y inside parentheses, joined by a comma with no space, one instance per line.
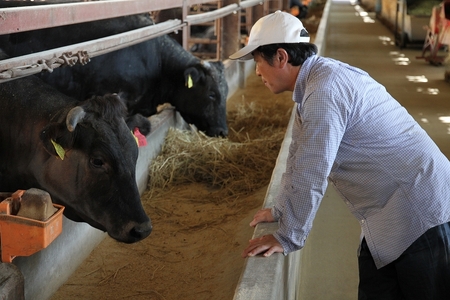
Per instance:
(140,122)
(193,76)
(58,137)
(54,138)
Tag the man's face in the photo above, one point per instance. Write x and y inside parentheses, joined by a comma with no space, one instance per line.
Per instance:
(271,75)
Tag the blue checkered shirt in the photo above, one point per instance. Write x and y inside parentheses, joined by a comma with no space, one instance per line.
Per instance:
(349,130)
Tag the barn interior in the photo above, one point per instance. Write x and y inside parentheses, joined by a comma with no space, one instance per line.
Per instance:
(348,30)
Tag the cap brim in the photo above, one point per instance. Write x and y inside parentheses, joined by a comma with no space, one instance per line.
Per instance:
(245,53)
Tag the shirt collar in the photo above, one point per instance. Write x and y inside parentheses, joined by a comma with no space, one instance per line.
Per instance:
(300,83)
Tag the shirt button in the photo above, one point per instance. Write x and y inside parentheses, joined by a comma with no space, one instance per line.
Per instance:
(363,221)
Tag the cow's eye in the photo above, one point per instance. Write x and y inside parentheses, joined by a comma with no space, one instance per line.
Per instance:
(212,96)
(97,162)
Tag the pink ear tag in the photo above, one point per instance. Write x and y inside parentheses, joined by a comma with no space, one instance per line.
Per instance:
(141,139)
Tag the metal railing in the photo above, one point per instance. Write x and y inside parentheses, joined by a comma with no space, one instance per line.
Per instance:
(18,19)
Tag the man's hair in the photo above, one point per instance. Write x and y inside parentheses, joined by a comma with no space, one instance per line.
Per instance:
(298,52)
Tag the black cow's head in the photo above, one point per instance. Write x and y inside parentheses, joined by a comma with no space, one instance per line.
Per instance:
(204,98)
(92,168)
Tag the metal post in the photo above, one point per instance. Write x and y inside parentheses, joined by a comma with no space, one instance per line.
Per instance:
(186,30)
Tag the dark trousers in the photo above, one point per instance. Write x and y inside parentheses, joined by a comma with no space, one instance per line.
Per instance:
(422,272)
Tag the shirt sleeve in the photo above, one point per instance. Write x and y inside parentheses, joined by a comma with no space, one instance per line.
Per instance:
(319,126)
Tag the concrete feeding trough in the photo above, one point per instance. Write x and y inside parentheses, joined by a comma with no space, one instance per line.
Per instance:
(29,222)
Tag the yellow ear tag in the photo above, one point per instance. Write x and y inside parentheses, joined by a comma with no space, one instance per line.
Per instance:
(135,137)
(59,150)
(189,82)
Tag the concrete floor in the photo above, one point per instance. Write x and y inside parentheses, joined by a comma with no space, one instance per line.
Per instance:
(329,262)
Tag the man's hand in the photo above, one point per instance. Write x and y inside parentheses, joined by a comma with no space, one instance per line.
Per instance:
(267,244)
(263,215)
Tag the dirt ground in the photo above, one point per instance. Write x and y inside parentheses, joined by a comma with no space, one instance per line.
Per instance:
(198,235)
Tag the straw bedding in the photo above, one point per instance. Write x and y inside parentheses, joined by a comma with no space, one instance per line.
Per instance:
(237,165)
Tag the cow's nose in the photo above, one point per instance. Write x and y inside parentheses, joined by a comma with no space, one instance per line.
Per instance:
(218,132)
(141,231)
(223,133)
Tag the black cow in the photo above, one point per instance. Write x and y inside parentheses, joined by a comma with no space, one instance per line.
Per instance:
(145,75)
(81,152)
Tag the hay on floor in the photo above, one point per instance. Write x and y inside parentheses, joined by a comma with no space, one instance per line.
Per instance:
(237,165)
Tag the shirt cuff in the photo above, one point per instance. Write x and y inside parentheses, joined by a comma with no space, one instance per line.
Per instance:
(276,214)
(287,246)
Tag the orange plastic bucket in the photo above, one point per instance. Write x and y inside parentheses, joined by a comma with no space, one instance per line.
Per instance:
(21,236)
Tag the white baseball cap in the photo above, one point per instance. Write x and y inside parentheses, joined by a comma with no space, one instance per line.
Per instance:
(278,27)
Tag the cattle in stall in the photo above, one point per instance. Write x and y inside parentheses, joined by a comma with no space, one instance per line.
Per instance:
(81,152)
(196,31)
(146,75)
(209,33)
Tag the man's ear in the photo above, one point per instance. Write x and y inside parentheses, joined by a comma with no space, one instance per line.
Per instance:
(282,57)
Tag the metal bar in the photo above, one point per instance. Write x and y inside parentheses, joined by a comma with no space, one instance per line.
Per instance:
(193,2)
(221,12)
(212,15)
(187,31)
(250,3)
(24,18)
(93,48)
(32,63)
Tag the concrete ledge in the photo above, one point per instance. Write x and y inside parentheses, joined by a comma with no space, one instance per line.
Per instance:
(277,276)
(11,282)
(322,30)
(160,125)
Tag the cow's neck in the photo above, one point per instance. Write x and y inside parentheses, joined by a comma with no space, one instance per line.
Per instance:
(173,54)
(175,60)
